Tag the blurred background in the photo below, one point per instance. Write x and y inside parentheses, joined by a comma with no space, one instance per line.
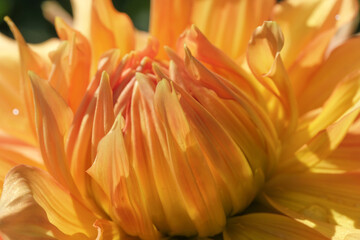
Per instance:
(28,17)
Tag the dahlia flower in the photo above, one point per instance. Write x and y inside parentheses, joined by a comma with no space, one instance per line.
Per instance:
(234,119)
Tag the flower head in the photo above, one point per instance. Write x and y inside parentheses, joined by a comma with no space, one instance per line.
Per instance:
(215,124)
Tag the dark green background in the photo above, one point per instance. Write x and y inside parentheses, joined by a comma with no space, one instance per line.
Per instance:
(27,15)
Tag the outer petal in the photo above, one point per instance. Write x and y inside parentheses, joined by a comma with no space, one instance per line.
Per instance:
(34,206)
(53,118)
(14,152)
(319,147)
(12,107)
(109,29)
(328,76)
(322,201)
(228,24)
(268,226)
(303,21)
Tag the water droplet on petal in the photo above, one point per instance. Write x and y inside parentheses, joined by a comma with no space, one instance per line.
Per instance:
(15,111)
(337,17)
(316,212)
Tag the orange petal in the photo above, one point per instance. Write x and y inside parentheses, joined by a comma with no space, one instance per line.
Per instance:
(113,172)
(71,64)
(29,61)
(53,118)
(109,29)
(108,230)
(190,168)
(222,22)
(268,226)
(78,142)
(215,59)
(14,119)
(104,113)
(264,60)
(326,202)
(34,206)
(13,152)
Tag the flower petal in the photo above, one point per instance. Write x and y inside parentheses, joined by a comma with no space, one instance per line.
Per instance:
(222,22)
(268,226)
(71,64)
(109,29)
(329,75)
(34,206)
(320,146)
(53,118)
(113,172)
(303,21)
(322,201)
(29,61)
(13,152)
(265,62)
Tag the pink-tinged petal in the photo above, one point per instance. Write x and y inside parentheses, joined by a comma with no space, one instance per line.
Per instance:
(305,21)
(34,206)
(320,146)
(52,118)
(222,22)
(109,29)
(329,75)
(268,226)
(115,175)
(265,62)
(70,64)
(215,59)
(29,61)
(329,203)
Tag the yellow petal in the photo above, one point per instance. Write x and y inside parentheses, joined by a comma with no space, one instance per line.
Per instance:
(53,118)
(71,64)
(268,226)
(108,230)
(329,75)
(326,202)
(34,206)
(227,24)
(264,60)
(109,29)
(190,168)
(320,146)
(29,61)
(303,21)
